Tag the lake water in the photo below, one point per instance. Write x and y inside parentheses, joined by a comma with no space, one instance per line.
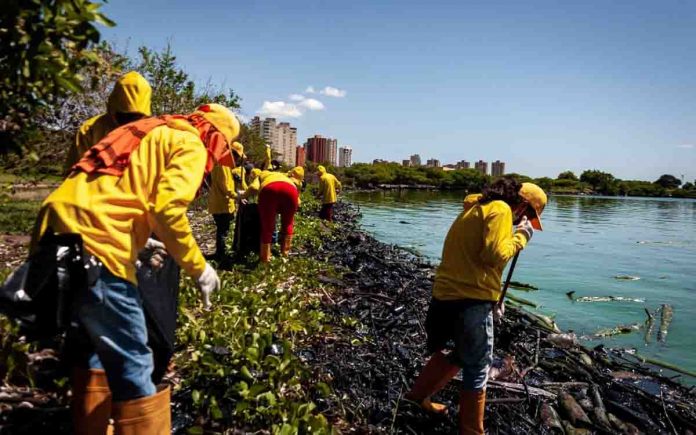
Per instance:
(586,243)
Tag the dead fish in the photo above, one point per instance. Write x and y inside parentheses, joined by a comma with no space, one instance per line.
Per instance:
(573,410)
(665,320)
(600,415)
(618,330)
(550,418)
(618,424)
(627,277)
(564,341)
(586,404)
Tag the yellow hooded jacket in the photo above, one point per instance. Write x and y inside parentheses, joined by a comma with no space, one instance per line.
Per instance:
(131,94)
(116,215)
(222,196)
(264,179)
(328,184)
(478,245)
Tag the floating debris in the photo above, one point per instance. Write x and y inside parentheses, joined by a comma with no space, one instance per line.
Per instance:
(571,296)
(665,320)
(627,277)
(565,341)
(618,330)
(522,286)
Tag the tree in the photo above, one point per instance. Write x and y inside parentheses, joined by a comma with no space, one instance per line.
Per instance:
(668,181)
(545,183)
(601,182)
(45,46)
(688,186)
(567,175)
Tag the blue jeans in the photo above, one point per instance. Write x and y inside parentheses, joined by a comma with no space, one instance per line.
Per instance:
(466,328)
(111,313)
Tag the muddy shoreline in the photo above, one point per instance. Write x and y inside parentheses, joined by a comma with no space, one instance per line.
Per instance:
(544,381)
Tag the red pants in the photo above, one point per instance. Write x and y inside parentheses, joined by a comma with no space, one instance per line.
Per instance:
(277,198)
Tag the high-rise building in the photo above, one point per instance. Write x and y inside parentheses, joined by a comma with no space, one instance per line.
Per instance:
(433,163)
(282,137)
(320,149)
(415,160)
(299,156)
(406,162)
(463,164)
(498,168)
(481,166)
(345,156)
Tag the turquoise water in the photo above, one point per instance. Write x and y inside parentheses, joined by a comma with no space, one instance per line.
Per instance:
(586,242)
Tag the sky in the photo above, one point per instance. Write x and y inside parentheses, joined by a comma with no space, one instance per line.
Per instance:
(544,86)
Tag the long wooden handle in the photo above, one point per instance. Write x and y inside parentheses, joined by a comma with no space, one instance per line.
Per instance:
(508,278)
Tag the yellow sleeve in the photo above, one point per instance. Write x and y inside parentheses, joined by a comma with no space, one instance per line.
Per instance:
(81,145)
(267,160)
(253,188)
(176,188)
(338,184)
(499,243)
(224,182)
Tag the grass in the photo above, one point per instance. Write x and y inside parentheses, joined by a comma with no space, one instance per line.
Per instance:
(18,216)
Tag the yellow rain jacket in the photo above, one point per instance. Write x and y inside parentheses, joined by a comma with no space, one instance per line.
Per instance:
(478,245)
(116,215)
(222,197)
(327,186)
(131,94)
(264,179)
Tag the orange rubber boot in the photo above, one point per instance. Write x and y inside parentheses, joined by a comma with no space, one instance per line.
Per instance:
(91,402)
(144,416)
(285,245)
(472,406)
(434,376)
(265,253)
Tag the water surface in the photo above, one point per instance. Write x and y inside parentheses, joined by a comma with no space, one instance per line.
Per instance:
(586,243)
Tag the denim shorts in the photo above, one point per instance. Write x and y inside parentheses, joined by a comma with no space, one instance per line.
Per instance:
(465,328)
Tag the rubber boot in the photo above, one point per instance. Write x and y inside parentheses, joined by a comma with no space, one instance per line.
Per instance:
(472,406)
(145,416)
(285,245)
(434,376)
(265,253)
(91,402)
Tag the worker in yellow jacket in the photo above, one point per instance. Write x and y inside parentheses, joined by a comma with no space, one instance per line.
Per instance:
(138,180)
(222,198)
(129,101)
(278,194)
(328,187)
(467,286)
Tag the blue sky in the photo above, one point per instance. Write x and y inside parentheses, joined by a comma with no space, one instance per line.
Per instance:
(542,85)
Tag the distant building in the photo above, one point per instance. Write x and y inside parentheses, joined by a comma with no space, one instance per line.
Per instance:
(498,168)
(449,167)
(379,161)
(345,156)
(299,156)
(463,164)
(320,149)
(406,162)
(281,137)
(433,163)
(481,166)
(415,160)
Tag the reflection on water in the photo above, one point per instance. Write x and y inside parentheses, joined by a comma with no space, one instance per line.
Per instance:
(586,242)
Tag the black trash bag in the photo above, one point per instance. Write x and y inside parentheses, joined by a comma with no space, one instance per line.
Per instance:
(159,289)
(40,293)
(247,231)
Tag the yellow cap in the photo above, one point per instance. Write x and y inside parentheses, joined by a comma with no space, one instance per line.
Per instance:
(222,118)
(255,173)
(297,172)
(238,148)
(536,198)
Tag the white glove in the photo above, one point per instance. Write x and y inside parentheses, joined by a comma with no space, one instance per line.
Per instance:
(525,228)
(153,254)
(498,311)
(208,282)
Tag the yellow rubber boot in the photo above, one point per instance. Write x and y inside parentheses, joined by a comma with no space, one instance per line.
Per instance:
(285,245)
(265,254)
(91,402)
(435,375)
(145,416)
(472,406)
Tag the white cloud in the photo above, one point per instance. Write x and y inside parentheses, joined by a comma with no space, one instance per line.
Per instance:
(686,146)
(279,109)
(310,90)
(311,104)
(296,97)
(330,91)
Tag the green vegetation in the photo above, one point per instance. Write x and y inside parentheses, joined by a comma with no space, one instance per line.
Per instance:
(46,44)
(363,175)
(18,216)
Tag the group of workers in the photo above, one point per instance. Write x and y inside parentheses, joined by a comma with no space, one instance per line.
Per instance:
(131,177)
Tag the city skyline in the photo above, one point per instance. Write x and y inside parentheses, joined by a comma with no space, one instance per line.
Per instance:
(552,86)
